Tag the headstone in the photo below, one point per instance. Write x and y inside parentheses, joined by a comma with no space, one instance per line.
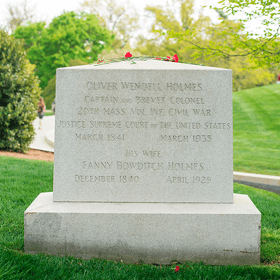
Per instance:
(155,132)
(143,150)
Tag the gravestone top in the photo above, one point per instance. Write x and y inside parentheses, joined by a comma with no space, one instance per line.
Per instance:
(152,131)
(146,65)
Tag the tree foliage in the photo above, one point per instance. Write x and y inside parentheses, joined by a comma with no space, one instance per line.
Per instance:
(259,45)
(19,14)
(179,31)
(176,17)
(19,95)
(69,36)
(120,18)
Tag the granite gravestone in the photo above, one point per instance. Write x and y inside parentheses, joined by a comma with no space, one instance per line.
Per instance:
(162,133)
(142,151)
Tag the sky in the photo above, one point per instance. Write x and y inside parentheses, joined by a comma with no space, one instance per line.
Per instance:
(48,9)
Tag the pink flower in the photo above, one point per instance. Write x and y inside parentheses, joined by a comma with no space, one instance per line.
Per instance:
(128,54)
(175,58)
(177,268)
(168,57)
(158,58)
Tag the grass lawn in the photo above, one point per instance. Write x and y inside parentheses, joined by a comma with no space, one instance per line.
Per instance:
(48,114)
(256,130)
(22,180)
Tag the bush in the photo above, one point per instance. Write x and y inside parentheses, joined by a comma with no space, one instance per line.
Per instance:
(19,95)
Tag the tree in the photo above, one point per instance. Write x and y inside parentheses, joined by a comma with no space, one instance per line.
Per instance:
(260,47)
(175,17)
(179,32)
(19,95)
(69,36)
(19,14)
(121,19)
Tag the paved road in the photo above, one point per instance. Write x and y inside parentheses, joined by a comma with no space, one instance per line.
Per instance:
(39,143)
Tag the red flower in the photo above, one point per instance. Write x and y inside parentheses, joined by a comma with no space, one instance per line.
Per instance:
(128,54)
(168,57)
(175,58)
(158,58)
(177,268)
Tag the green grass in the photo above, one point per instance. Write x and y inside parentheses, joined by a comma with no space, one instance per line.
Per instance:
(48,114)
(22,180)
(256,130)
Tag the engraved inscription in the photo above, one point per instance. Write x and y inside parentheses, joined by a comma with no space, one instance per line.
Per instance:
(105,124)
(101,99)
(71,124)
(150,99)
(142,86)
(94,179)
(128,179)
(225,126)
(184,86)
(178,112)
(97,165)
(151,153)
(129,124)
(200,112)
(174,138)
(188,180)
(139,165)
(131,153)
(187,100)
(89,137)
(102,85)
(147,125)
(87,111)
(193,166)
(114,111)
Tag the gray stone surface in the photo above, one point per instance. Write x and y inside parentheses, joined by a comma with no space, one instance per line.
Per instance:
(147,132)
(49,138)
(39,142)
(260,181)
(143,169)
(217,234)
(257,178)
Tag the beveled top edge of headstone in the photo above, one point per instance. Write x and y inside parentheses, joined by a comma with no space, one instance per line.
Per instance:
(143,65)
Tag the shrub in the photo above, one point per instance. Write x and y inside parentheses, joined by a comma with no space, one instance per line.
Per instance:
(19,95)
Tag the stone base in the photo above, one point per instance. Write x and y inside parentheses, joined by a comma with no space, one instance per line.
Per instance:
(216,234)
